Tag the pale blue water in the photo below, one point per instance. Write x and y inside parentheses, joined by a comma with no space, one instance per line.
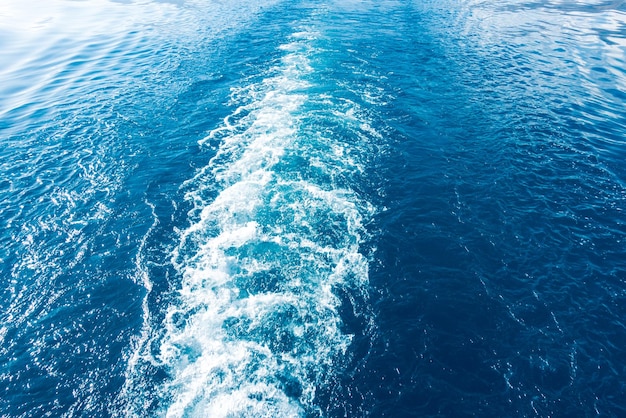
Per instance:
(309,208)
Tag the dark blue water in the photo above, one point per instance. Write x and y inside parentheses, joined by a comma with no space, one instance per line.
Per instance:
(310,208)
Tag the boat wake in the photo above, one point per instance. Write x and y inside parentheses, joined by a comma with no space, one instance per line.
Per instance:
(254,327)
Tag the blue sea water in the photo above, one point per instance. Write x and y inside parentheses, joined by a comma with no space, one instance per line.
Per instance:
(312,208)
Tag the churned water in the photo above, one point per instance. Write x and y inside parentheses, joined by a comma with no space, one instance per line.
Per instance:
(312,208)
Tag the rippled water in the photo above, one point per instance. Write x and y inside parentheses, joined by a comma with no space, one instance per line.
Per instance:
(343,208)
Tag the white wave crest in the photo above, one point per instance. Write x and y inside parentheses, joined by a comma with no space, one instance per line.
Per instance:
(255,327)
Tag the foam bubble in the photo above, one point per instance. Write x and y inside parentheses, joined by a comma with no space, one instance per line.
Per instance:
(254,327)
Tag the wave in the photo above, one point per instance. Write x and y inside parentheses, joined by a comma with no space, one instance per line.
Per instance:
(254,327)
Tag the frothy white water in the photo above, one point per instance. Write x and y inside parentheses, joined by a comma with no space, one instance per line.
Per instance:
(255,328)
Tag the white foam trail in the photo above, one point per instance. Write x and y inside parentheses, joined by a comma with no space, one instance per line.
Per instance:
(255,328)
